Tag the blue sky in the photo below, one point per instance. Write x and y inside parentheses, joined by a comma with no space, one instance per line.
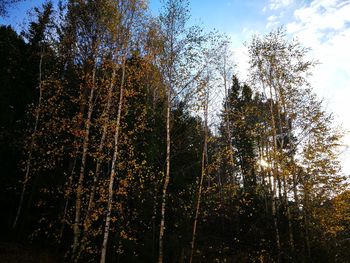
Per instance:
(224,15)
(322,25)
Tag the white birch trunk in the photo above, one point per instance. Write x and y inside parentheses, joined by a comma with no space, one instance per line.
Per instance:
(113,168)
(79,191)
(167,177)
(203,173)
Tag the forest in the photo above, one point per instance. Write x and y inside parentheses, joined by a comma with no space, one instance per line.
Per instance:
(115,145)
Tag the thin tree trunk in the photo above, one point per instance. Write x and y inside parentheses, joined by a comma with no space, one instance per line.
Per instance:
(101,145)
(29,160)
(72,166)
(167,177)
(203,172)
(79,191)
(91,202)
(306,217)
(274,206)
(280,161)
(113,168)
(295,190)
(307,236)
(228,128)
(124,46)
(68,191)
(275,222)
(156,189)
(289,217)
(276,176)
(266,179)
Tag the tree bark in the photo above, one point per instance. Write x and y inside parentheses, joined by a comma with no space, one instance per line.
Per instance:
(276,176)
(91,202)
(101,145)
(203,173)
(167,177)
(113,168)
(79,191)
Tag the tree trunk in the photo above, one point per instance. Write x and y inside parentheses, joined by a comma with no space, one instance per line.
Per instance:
(281,163)
(91,202)
(101,145)
(275,223)
(274,206)
(289,217)
(67,193)
(203,172)
(228,129)
(167,177)
(79,191)
(113,168)
(32,142)
(276,175)
(306,221)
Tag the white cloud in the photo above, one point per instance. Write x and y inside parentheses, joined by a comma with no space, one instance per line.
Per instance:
(324,26)
(241,55)
(324,14)
(277,4)
(272,21)
(272,18)
(240,51)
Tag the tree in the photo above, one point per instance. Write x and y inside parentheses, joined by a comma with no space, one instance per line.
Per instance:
(212,45)
(17,91)
(131,9)
(87,22)
(36,36)
(120,139)
(172,26)
(321,179)
(279,69)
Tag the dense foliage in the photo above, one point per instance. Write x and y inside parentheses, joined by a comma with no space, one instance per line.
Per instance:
(109,150)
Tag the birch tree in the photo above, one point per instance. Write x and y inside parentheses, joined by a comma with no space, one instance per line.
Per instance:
(131,10)
(172,26)
(279,68)
(86,21)
(212,45)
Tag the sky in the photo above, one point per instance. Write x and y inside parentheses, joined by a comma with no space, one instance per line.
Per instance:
(322,25)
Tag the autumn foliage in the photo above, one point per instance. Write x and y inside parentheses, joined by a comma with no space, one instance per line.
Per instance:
(116,147)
